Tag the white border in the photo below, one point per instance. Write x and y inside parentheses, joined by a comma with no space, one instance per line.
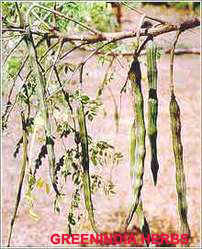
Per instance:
(1,171)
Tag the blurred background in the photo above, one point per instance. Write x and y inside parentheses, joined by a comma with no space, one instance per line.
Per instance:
(111,210)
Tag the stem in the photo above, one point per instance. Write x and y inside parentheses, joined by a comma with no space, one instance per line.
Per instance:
(11,51)
(85,165)
(43,108)
(172,53)
(117,36)
(21,177)
(138,33)
(61,15)
(175,121)
(146,16)
(54,63)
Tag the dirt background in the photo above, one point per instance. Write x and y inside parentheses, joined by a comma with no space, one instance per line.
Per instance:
(160,201)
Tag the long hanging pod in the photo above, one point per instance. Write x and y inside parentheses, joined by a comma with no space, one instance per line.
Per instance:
(152,106)
(41,84)
(178,152)
(144,226)
(85,165)
(22,175)
(132,149)
(139,128)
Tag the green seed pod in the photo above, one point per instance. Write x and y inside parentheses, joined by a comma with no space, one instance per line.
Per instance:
(139,143)
(152,106)
(132,149)
(85,165)
(21,177)
(43,108)
(178,154)
(144,226)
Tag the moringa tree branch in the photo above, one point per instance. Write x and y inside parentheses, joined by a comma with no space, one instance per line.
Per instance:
(116,36)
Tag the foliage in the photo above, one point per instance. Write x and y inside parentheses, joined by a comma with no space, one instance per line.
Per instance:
(54,104)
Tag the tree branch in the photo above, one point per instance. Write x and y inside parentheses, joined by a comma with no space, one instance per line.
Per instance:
(178,51)
(116,36)
(153,31)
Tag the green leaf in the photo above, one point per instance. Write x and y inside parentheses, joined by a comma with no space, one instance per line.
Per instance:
(40,183)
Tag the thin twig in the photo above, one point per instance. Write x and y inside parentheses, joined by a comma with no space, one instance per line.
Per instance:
(143,45)
(10,107)
(41,21)
(103,83)
(65,94)
(71,50)
(48,50)
(54,63)
(172,62)
(54,15)
(146,16)
(61,15)
(11,51)
(23,31)
(68,80)
(18,74)
(138,34)
(178,51)
(11,36)
(80,66)
(94,52)
(68,52)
